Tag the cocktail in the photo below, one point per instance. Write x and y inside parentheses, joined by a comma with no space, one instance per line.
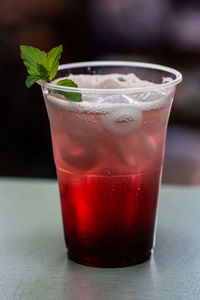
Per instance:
(108,151)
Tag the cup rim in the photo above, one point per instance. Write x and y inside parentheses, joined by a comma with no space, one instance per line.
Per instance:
(129,90)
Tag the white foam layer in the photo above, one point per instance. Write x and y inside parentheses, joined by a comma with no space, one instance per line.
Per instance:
(103,104)
(108,81)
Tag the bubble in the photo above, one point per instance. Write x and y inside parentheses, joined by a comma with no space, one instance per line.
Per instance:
(93,99)
(118,99)
(122,78)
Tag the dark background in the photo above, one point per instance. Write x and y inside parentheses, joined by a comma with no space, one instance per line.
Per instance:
(158,31)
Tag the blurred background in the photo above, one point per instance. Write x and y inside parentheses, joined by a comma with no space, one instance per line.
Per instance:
(158,31)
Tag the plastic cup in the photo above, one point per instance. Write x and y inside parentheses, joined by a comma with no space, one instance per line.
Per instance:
(108,152)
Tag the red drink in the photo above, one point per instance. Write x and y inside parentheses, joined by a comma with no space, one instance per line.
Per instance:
(109,221)
(109,152)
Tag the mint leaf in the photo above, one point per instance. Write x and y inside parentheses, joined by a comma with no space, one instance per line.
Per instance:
(31,79)
(67,82)
(73,96)
(42,65)
(43,72)
(31,57)
(52,60)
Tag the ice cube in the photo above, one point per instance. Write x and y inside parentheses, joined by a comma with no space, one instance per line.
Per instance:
(136,152)
(123,120)
(83,159)
(83,127)
(147,146)
(153,99)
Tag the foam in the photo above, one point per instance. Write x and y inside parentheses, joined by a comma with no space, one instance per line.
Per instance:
(104,104)
(108,81)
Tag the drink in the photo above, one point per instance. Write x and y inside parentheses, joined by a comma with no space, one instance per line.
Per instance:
(108,234)
(108,152)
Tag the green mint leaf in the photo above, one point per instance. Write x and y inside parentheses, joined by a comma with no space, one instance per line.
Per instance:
(43,72)
(31,57)
(52,61)
(42,65)
(67,82)
(77,97)
(31,79)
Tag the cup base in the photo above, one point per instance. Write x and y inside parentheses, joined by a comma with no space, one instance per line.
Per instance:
(115,263)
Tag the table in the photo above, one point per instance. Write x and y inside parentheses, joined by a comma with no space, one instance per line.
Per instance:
(33,263)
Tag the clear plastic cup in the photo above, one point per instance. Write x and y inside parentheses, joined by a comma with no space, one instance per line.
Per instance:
(108,152)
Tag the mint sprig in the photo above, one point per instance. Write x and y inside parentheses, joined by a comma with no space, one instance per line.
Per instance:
(43,66)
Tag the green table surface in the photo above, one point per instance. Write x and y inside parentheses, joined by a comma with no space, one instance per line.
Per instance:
(33,263)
